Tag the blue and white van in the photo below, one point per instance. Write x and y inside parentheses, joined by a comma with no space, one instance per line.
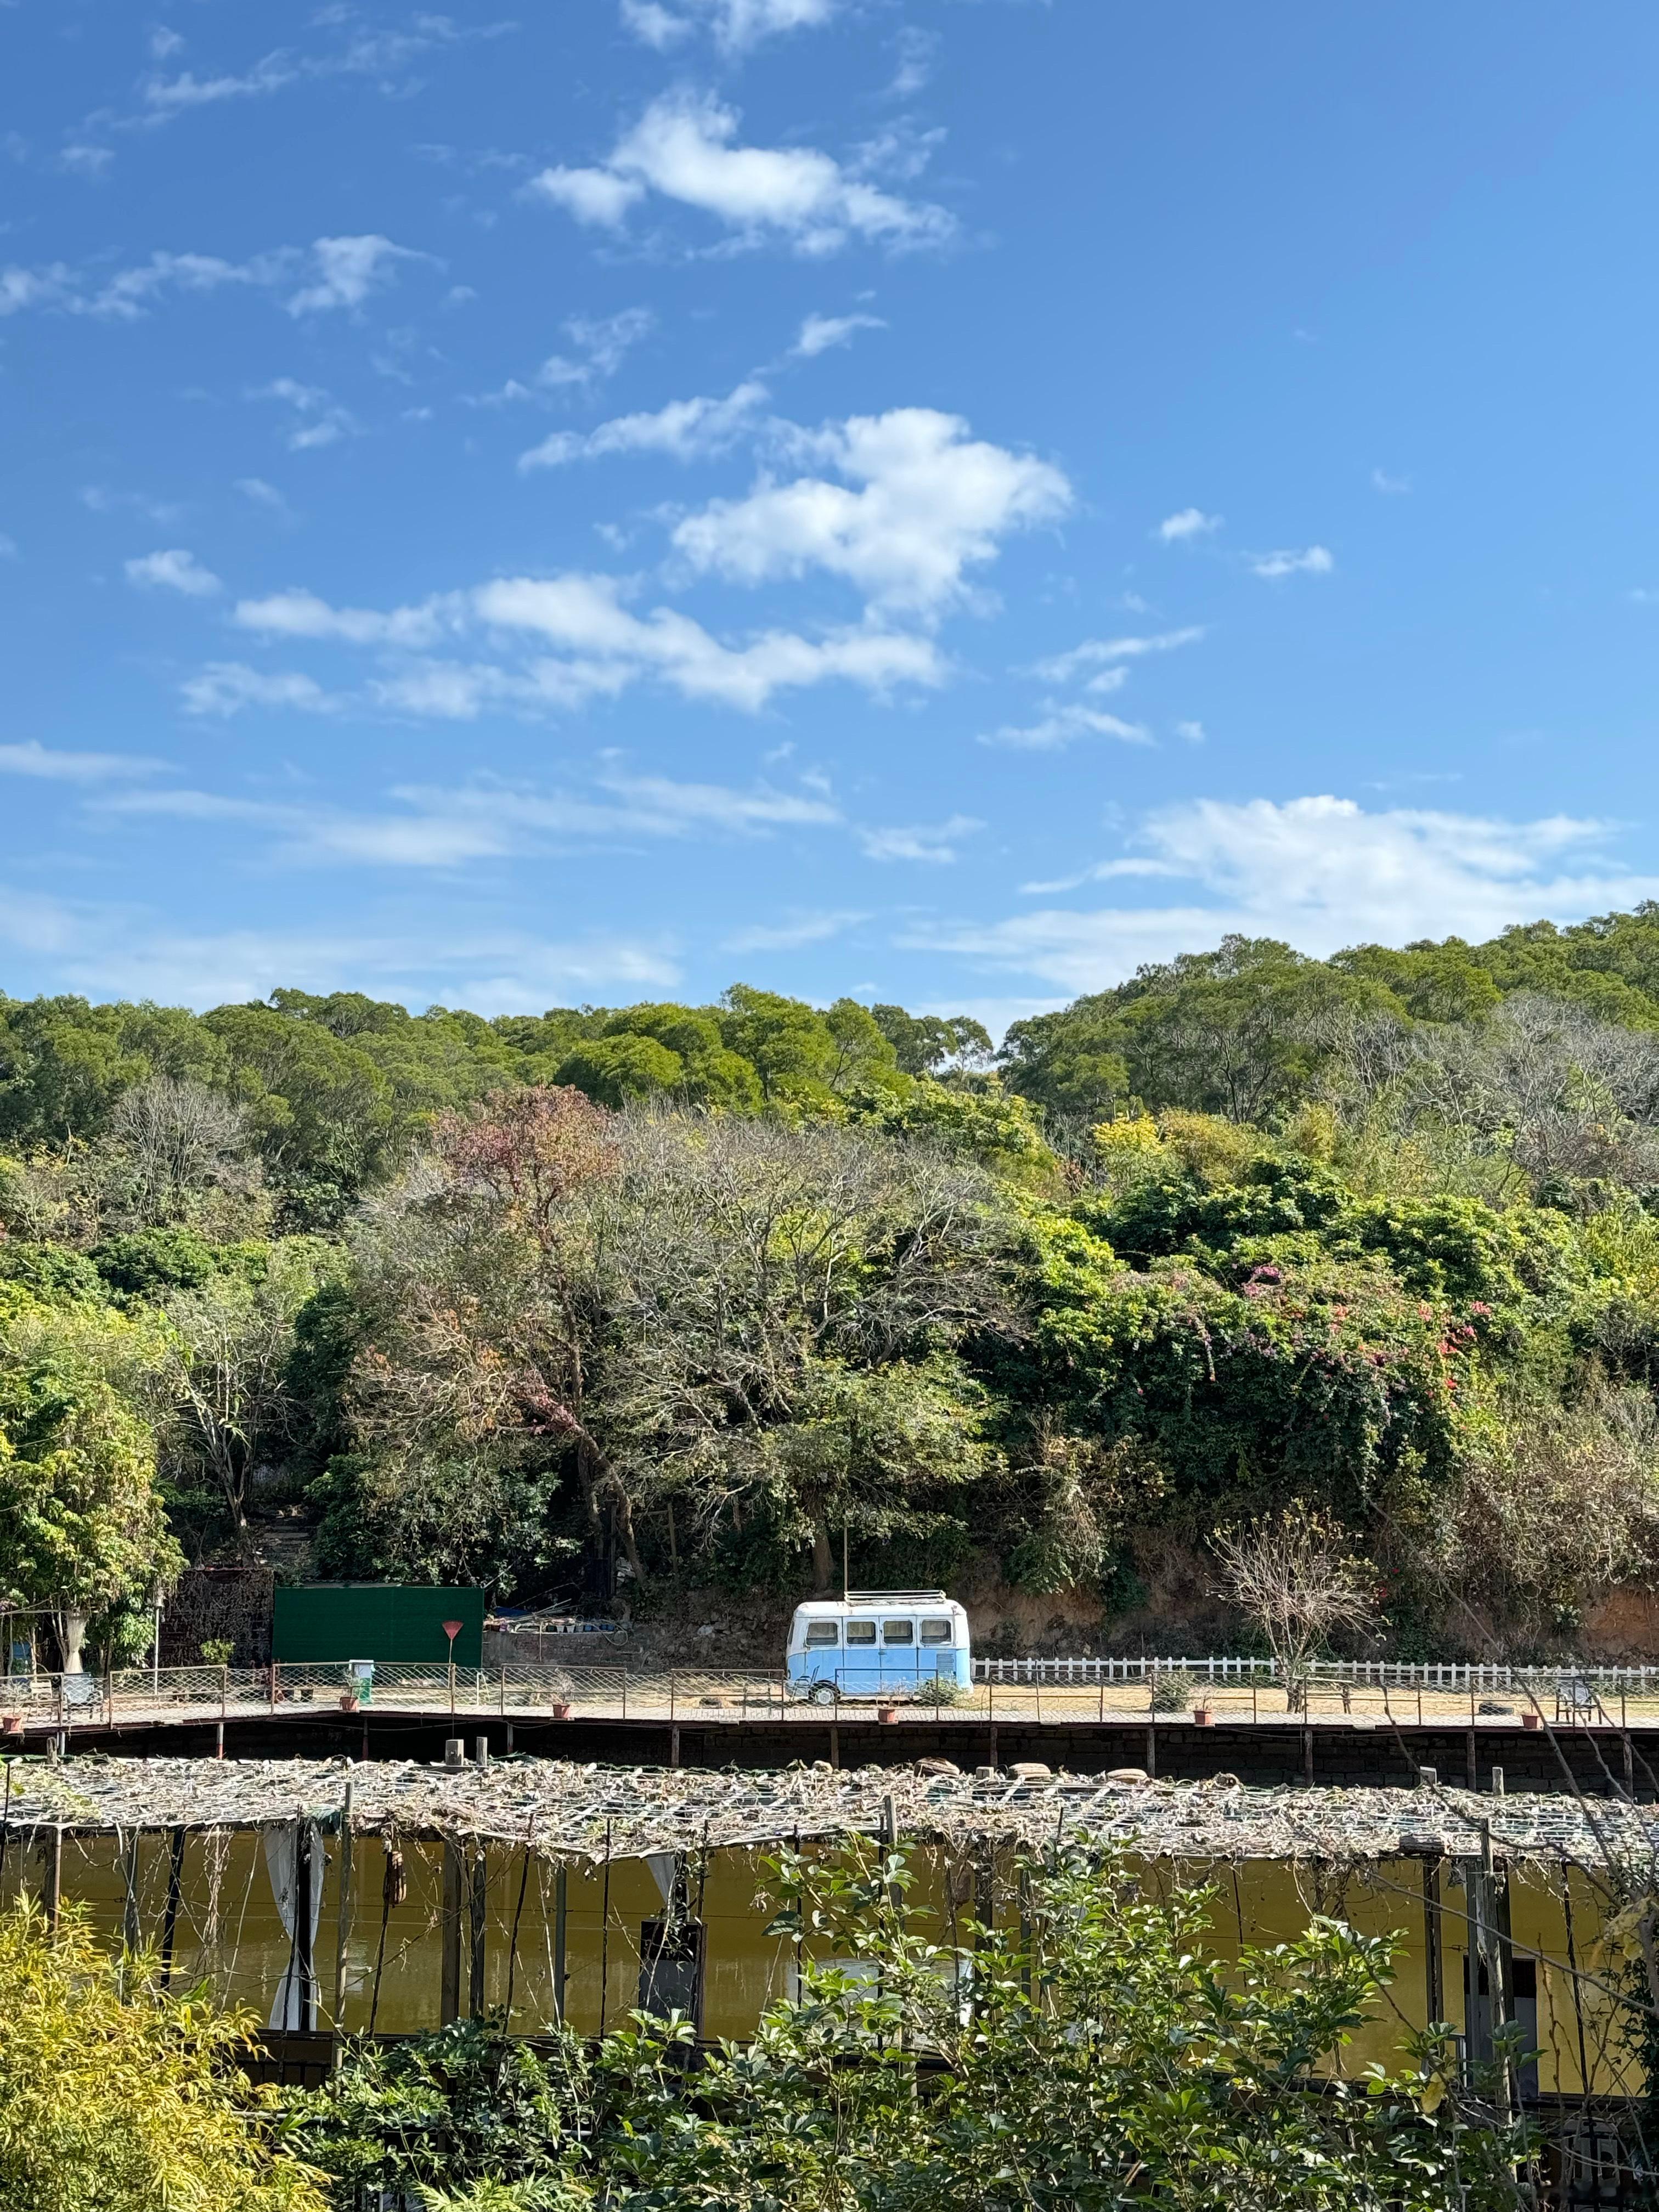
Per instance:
(879,1644)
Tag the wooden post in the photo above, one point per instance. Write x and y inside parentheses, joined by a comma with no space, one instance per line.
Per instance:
(131,1933)
(1307,1748)
(175,1894)
(674,1745)
(449,1989)
(478,1908)
(1434,1957)
(1468,1754)
(835,1743)
(306,1874)
(51,1884)
(342,1921)
(561,1899)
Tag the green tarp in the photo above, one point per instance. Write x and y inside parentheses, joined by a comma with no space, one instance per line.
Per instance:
(317,1621)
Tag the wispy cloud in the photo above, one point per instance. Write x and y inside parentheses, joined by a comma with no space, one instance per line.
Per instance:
(332,273)
(175,570)
(735,25)
(319,419)
(685,430)
(1189,523)
(1063,725)
(818,333)
(47,764)
(1108,652)
(791,935)
(936,842)
(685,148)
(1312,561)
(1320,872)
(1391,487)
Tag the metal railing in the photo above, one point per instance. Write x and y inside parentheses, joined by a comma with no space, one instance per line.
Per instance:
(1078,1689)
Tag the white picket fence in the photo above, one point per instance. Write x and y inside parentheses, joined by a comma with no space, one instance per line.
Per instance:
(1381,1674)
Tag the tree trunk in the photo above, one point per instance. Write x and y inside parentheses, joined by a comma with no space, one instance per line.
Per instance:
(822,1558)
(631,1542)
(595,1551)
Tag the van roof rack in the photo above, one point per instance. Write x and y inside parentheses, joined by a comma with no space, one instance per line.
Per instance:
(896,1596)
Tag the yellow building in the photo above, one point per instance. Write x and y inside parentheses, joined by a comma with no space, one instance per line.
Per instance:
(544,1890)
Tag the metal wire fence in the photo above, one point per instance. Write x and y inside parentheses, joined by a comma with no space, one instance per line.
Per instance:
(1172,1691)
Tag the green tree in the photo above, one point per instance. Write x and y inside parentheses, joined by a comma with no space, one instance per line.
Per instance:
(118,2095)
(82,1528)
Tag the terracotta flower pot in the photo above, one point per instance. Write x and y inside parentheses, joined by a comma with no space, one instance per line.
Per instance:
(560,1708)
(348,1701)
(886,1712)
(1202,1716)
(1532,1721)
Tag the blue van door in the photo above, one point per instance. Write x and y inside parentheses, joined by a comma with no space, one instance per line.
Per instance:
(898,1653)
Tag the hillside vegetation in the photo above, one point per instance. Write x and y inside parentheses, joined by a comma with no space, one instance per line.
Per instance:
(683,1294)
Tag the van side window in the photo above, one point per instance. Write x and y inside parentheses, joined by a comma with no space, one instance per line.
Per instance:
(820,1632)
(861,1632)
(936,1631)
(898,1632)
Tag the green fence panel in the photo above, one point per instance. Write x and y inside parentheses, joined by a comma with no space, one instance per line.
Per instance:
(317,1621)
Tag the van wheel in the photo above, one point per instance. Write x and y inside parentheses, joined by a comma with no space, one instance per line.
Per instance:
(824,1694)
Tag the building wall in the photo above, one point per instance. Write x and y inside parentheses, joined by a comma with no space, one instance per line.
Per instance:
(229,1934)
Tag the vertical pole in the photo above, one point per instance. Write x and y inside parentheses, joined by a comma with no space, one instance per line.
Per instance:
(604,1933)
(130,1933)
(834,1745)
(52,1881)
(477,1915)
(1434,1957)
(343,1923)
(219,1740)
(305,1872)
(1630,1766)
(674,1745)
(1307,1748)
(175,1893)
(449,1992)
(561,1903)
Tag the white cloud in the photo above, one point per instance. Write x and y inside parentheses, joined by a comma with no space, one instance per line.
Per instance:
(1313,561)
(323,420)
(225,687)
(791,936)
(1098,652)
(1391,487)
(261,494)
(606,645)
(434,827)
(86,160)
(302,614)
(685,429)
(348,270)
(165,97)
(1321,872)
(175,570)
(930,502)
(101,500)
(1190,522)
(576,641)
(342,271)
(1192,731)
(819,332)
(934,842)
(109,951)
(682,148)
(736,25)
(1062,726)
(47,765)
(599,197)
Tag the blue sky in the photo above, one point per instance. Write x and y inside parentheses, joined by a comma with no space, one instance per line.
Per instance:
(942,501)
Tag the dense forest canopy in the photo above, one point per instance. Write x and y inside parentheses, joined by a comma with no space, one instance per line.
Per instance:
(681,1293)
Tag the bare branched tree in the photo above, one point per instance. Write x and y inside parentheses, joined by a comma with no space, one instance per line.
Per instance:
(175,1149)
(1295,1578)
(746,1257)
